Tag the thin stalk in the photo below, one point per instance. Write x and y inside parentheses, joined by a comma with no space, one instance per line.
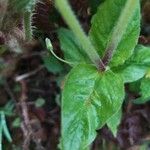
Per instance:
(50,48)
(70,18)
(28,25)
(120,29)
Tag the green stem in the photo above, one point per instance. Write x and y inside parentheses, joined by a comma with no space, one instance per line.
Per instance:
(50,48)
(68,15)
(27,25)
(120,29)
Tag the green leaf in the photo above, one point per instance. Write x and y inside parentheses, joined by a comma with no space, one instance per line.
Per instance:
(134,87)
(39,102)
(136,66)
(89,99)
(145,89)
(73,51)
(114,122)
(16,123)
(141,56)
(140,100)
(71,20)
(5,128)
(144,146)
(52,64)
(131,73)
(116,27)
(8,108)
(94,4)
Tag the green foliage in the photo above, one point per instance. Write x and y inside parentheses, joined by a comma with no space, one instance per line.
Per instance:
(16,123)
(112,25)
(136,66)
(144,147)
(70,18)
(93,93)
(4,129)
(8,108)
(131,73)
(134,87)
(50,48)
(72,49)
(39,102)
(142,87)
(144,91)
(114,122)
(88,101)
(52,64)
(141,56)
(94,4)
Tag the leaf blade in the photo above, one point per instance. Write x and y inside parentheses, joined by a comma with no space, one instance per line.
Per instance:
(136,66)
(88,101)
(73,51)
(145,89)
(5,128)
(114,122)
(104,30)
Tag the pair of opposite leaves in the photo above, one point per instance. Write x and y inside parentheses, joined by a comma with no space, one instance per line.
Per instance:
(90,97)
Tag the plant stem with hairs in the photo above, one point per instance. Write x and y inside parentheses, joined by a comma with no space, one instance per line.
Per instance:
(28,25)
(68,15)
(119,30)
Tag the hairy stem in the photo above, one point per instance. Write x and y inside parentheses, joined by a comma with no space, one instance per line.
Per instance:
(119,29)
(68,15)
(27,25)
